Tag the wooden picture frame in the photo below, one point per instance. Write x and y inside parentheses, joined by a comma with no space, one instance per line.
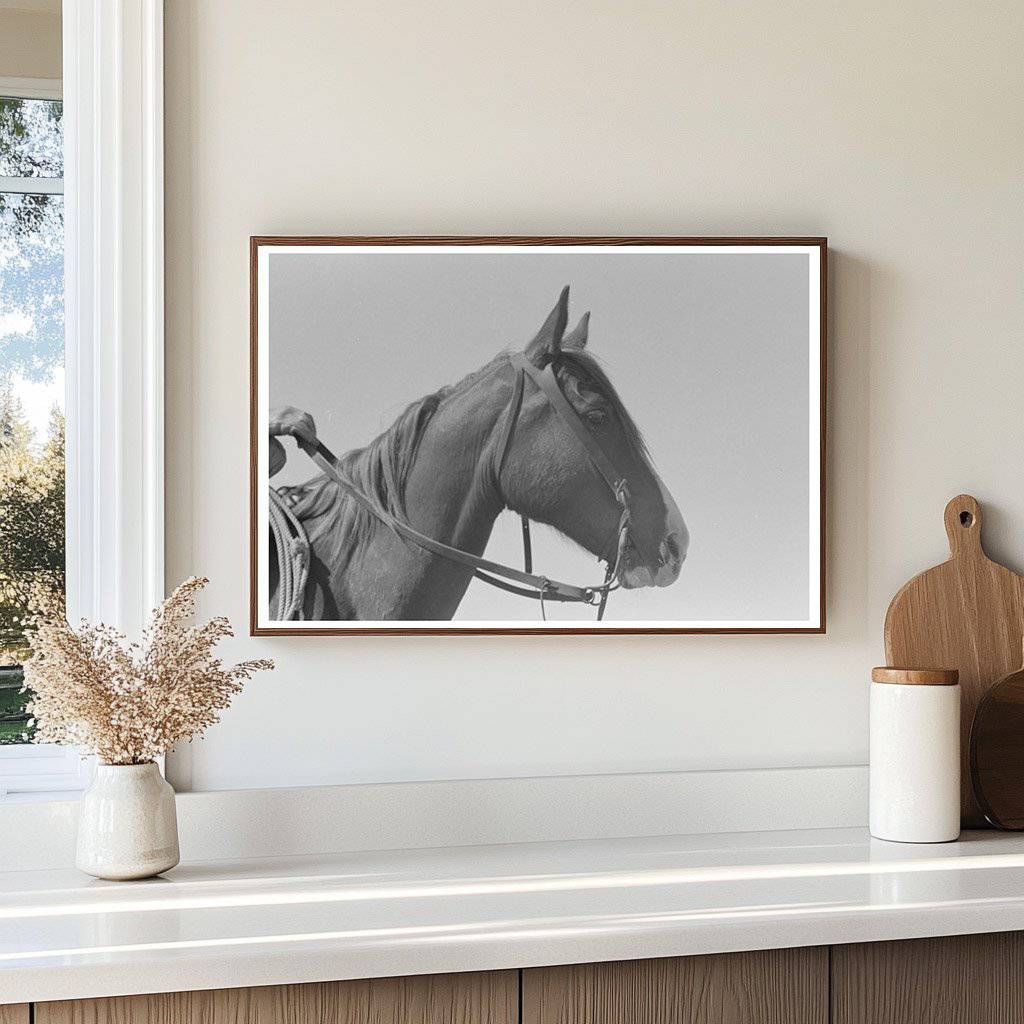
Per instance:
(262,622)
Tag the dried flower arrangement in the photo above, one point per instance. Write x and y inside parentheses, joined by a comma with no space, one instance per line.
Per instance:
(129,703)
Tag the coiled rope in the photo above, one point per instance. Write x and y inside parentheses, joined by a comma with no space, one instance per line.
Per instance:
(292,557)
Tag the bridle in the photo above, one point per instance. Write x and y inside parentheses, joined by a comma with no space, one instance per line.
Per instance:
(522,582)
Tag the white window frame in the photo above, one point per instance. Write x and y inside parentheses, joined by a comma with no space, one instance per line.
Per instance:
(114,329)
(31,88)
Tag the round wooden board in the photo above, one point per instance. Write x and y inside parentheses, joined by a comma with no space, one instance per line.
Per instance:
(997,752)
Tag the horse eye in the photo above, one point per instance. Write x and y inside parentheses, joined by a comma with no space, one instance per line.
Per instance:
(596,415)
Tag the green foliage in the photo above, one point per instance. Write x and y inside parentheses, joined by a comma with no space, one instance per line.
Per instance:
(31,543)
(15,724)
(31,520)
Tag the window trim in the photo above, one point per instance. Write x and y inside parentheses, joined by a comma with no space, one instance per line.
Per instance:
(31,186)
(31,88)
(42,768)
(114,329)
(113,172)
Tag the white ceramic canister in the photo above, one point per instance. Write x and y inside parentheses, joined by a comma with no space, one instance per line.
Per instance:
(915,755)
(127,824)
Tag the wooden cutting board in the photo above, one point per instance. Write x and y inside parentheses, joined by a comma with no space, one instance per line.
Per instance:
(967,614)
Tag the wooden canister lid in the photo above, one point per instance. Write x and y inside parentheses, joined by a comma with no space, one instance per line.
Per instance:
(916,676)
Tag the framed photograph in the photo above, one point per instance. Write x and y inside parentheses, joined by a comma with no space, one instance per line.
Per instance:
(537,435)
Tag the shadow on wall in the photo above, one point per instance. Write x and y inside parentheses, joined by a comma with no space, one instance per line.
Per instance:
(853,290)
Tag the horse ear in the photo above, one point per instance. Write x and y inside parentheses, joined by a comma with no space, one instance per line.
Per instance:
(577,337)
(548,342)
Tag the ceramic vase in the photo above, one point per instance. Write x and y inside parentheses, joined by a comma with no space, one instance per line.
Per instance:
(127,826)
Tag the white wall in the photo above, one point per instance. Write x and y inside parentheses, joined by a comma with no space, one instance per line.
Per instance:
(895,129)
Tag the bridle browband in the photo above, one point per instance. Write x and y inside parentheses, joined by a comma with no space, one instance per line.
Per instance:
(522,582)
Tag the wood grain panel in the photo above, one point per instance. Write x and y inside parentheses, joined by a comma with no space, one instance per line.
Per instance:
(14,1013)
(479,998)
(962,979)
(779,986)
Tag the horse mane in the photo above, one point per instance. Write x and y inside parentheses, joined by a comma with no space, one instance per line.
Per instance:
(379,470)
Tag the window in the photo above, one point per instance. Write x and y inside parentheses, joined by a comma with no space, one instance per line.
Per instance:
(110,201)
(31,382)
(31,404)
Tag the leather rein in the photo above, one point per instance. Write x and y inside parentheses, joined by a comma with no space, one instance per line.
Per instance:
(522,582)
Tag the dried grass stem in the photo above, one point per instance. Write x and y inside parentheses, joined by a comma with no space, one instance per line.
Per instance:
(129,703)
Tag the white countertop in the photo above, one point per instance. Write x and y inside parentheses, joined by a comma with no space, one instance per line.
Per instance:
(298,919)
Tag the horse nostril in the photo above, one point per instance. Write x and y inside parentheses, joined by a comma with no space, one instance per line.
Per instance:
(670,549)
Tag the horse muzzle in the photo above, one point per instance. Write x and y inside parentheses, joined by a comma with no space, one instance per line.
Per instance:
(636,573)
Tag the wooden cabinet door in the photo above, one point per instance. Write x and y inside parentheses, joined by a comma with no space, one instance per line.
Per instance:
(962,979)
(14,1013)
(778,986)
(480,998)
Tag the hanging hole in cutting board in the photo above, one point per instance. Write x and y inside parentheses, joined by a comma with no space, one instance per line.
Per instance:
(966,519)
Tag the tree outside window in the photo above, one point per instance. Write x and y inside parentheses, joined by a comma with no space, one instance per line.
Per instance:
(31,385)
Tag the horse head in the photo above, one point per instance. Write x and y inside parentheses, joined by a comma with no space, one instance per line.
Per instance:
(548,475)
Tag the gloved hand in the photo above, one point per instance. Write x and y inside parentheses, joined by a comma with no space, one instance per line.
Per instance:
(288,420)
